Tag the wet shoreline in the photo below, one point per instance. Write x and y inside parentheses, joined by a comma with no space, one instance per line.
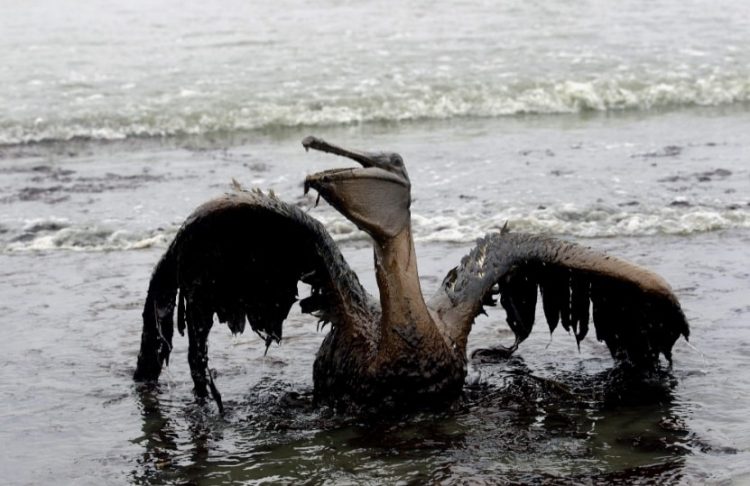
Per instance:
(71,304)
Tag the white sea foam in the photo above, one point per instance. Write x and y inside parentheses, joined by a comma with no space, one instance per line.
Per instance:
(57,234)
(172,116)
(566,220)
(583,223)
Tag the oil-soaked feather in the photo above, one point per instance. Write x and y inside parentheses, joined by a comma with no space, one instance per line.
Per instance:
(240,257)
(566,311)
(235,319)
(602,306)
(181,313)
(518,298)
(579,305)
(553,287)
(635,312)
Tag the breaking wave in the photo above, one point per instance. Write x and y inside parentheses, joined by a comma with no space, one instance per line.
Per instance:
(221,113)
(59,234)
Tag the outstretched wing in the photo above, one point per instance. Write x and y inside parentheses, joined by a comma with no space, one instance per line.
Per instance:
(240,257)
(634,310)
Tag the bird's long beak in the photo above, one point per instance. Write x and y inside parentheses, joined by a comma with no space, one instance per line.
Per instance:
(363,158)
(372,197)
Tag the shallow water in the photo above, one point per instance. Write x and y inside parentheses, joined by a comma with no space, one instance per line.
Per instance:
(76,259)
(622,126)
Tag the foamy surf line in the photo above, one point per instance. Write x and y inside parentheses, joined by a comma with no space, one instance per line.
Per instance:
(48,234)
(145,118)
(62,235)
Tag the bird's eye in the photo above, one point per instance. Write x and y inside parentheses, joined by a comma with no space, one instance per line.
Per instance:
(397,160)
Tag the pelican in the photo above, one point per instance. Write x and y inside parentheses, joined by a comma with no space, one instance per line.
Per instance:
(240,257)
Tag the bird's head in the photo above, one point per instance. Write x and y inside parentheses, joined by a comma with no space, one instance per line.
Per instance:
(376,197)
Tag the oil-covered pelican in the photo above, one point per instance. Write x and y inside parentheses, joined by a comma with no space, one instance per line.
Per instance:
(241,256)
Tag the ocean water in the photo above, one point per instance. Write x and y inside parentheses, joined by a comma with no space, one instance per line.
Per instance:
(93,70)
(620,125)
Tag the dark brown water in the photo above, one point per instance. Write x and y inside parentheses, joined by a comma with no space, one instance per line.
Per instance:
(82,225)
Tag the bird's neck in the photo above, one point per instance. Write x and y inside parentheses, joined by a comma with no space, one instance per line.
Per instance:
(403,307)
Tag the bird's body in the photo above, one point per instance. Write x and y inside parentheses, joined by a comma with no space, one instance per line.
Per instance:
(240,257)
